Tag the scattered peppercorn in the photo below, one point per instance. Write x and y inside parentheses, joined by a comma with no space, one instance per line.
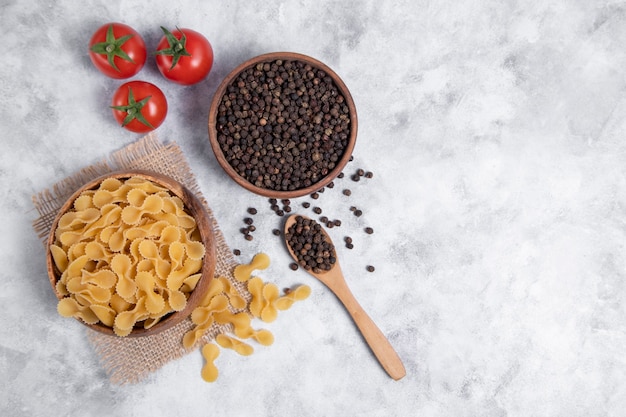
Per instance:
(317,210)
(276,232)
(347,192)
(306,204)
(237,252)
(369,230)
(315,195)
(248,220)
(369,174)
(370,268)
(358,213)
(293,266)
(252,210)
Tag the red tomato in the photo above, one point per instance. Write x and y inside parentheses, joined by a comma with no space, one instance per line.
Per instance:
(139,106)
(117,50)
(184,56)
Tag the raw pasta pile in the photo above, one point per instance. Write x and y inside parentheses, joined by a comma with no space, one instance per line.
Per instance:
(129,255)
(222,299)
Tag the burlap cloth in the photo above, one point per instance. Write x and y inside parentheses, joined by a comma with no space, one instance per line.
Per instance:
(129,360)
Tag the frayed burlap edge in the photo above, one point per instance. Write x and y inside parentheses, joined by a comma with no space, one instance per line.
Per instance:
(129,360)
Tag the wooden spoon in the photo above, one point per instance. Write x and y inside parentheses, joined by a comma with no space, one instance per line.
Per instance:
(377,342)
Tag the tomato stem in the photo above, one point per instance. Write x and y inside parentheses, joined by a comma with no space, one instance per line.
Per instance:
(177,47)
(112,47)
(133,109)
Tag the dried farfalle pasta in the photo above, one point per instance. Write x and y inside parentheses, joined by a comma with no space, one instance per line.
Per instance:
(210,352)
(223,305)
(243,272)
(128,254)
(238,346)
(300,293)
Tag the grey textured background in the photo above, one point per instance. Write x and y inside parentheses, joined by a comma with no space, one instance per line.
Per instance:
(495,131)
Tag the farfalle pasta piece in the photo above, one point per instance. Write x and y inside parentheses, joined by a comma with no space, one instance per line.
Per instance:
(146,283)
(84,202)
(243,272)
(126,287)
(270,295)
(202,314)
(300,293)
(263,337)
(239,321)
(103,278)
(255,288)
(210,352)
(105,314)
(125,321)
(132,215)
(238,346)
(69,307)
(59,256)
(190,283)
(236,300)
(215,287)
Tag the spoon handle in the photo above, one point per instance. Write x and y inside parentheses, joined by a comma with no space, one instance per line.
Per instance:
(376,340)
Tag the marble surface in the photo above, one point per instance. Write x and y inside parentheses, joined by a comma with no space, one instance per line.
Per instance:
(495,132)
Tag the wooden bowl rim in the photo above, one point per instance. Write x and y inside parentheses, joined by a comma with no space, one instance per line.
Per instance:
(193,205)
(292,56)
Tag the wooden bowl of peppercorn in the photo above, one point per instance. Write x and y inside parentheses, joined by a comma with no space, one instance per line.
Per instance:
(282,125)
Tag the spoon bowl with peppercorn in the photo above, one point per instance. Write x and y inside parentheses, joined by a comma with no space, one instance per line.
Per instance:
(313,250)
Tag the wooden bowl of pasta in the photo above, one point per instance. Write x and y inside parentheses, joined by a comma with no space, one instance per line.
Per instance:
(131,253)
